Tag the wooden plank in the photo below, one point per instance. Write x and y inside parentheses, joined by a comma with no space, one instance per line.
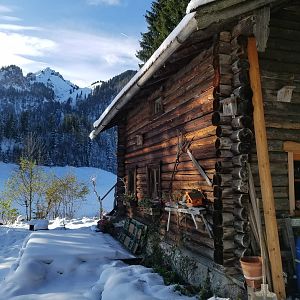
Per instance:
(265,173)
(199,168)
(291,146)
(226,9)
(257,223)
(296,156)
(283,134)
(261,27)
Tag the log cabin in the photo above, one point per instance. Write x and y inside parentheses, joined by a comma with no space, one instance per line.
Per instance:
(217,103)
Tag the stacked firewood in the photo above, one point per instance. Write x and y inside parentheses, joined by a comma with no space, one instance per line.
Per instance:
(232,117)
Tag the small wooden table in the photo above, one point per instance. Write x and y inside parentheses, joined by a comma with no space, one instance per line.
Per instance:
(193,211)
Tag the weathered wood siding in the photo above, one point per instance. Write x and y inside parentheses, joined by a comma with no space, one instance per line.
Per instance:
(280,66)
(187,98)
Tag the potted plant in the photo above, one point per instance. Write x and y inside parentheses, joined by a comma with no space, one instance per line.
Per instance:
(129,200)
(105,225)
(149,207)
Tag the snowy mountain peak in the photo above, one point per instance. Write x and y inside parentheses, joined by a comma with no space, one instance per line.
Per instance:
(12,76)
(64,90)
(11,70)
(96,83)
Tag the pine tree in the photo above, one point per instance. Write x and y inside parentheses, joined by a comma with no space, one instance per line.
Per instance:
(162,19)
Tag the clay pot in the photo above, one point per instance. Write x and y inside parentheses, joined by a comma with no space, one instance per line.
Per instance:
(252,270)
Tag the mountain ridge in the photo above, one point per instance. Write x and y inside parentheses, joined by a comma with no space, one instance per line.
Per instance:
(59,114)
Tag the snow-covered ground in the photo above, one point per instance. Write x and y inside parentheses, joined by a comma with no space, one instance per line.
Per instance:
(76,263)
(90,207)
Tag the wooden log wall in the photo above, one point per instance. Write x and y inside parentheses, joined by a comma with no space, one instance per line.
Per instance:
(187,99)
(233,117)
(209,102)
(280,66)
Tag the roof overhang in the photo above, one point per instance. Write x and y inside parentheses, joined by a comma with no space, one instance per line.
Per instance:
(211,12)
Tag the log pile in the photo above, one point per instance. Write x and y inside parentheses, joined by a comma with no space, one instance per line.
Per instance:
(232,116)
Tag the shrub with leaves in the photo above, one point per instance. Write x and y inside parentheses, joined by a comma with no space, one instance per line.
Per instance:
(64,195)
(26,185)
(8,213)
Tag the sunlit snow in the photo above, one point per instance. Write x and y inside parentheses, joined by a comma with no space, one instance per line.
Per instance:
(76,263)
(90,207)
(71,260)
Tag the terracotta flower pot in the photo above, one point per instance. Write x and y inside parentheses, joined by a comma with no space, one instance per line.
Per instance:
(252,270)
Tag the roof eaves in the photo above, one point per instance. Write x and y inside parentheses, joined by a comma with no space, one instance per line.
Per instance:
(195,4)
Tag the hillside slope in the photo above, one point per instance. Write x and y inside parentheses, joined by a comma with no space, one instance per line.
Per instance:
(57,115)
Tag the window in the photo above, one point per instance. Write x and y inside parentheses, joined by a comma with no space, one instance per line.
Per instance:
(153,181)
(297,183)
(139,139)
(158,106)
(293,150)
(132,182)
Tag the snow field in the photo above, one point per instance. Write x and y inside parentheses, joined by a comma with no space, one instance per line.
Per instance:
(77,263)
(104,181)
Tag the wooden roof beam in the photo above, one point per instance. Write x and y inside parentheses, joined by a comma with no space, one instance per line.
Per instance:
(220,11)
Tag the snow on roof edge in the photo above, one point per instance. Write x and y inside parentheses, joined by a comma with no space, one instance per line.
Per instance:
(173,36)
(197,3)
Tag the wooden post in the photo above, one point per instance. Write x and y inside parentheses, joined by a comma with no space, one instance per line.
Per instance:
(265,173)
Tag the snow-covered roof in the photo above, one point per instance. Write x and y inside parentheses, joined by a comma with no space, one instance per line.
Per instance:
(194,4)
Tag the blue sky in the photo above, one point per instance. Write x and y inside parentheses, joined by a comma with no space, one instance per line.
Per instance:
(85,40)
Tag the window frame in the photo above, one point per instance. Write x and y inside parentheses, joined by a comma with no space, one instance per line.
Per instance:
(157,106)
(293,151)
(149,169)
(132,180)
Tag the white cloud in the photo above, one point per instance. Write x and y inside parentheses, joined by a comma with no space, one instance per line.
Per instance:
(25,51)
(80,57)
(85,58)
(13,27)
(10,18)
(5,9)
(107,2)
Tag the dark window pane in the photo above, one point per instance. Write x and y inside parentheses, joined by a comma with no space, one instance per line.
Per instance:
(297,190)
(132,182)
(297,169)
